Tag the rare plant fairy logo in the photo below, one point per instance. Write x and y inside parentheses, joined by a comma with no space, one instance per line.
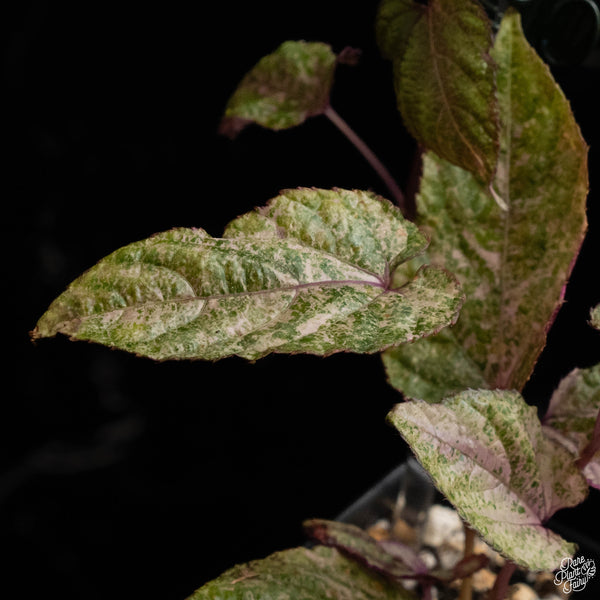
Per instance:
(574,573)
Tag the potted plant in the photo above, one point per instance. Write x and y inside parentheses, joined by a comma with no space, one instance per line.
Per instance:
(459,302)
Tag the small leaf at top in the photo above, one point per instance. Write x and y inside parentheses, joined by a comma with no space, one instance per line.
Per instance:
(302,573)
(572,415)
(512,250)
(444,78)
(283,89)
(311,272)
(488,455)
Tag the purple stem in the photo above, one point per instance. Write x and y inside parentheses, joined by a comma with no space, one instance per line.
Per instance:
(369,155)
(502,580)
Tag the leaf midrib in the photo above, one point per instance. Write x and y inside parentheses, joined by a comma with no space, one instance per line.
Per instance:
(433,434)
(442,89)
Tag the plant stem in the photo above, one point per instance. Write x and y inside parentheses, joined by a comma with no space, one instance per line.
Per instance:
(502,580)
(466,586)
(369,156)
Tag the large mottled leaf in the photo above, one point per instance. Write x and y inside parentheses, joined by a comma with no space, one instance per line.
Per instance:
(487,453)
(572,415)
(444,78)
(311,272)
(433,371)
(512,250)
(302,573)
(283,89)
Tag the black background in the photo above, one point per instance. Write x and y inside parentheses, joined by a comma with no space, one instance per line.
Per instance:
(124,478)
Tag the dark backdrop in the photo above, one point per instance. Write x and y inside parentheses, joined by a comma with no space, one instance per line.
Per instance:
(123,478)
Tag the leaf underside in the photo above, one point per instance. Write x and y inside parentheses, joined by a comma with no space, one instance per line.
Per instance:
(513,249)
(309,273)
(572,413)
(488,455)
(302,573)
(283,89)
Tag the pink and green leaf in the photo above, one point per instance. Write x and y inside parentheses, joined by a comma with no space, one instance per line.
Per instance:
(283,89)
(310,272)
(512,246)
(573,416)
(487,453)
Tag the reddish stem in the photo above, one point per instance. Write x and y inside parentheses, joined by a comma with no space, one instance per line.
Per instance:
(466,586)
(500,588)
(369,156)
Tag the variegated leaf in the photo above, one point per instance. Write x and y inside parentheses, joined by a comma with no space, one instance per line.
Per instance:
(513,248)
(444,78)
(487,453)
(572,415)
(302,573)
(391,558)
(311,272)
(283,89)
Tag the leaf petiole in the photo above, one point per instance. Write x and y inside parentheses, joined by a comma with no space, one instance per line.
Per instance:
(369,156)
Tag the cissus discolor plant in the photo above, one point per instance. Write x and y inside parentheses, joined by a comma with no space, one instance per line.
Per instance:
(459,302)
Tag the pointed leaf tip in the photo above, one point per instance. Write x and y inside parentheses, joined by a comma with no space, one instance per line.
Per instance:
(309,272)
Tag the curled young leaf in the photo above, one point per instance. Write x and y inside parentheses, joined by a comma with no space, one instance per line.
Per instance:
(488,455)
(595,317)
(572,417)
(302,573)
(283,89)
(311,272)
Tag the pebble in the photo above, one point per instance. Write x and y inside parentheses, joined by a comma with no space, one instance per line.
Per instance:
(443,524)
(448,556)
(483,580)
(429,558)
(521,591)
(380,530)
(404,533)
